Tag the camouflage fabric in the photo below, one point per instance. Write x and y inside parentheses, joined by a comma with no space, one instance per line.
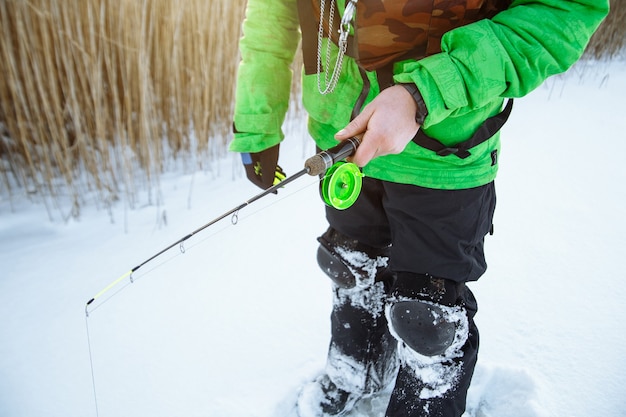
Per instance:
(392,30)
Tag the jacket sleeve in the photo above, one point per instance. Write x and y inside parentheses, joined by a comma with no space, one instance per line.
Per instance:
(507,56)
(269,41)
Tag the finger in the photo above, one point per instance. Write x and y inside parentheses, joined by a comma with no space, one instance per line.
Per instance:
(357,126)
(365,152)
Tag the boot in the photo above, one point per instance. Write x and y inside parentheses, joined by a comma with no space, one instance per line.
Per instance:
(322,398)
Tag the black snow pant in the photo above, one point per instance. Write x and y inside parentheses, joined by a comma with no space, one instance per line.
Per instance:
(424,233)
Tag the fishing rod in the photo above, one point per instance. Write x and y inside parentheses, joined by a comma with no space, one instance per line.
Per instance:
(340,187)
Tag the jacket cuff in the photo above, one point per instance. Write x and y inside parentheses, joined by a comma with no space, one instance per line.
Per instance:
(422,111)
(439,84)
(266,123)
(253,142)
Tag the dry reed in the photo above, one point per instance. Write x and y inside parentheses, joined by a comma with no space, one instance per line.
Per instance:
(610,39)
(97,94)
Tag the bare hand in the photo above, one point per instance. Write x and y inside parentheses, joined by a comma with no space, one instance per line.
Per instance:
(387,124)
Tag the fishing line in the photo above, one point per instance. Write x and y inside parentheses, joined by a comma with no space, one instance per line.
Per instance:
(136,276)
(342,186)
(93,375)
(132,278)
(180,241)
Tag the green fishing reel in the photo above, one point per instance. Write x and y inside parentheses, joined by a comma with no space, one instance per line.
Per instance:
(341,185)
(342,181)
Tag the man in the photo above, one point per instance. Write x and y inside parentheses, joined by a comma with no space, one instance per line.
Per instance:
(424,82)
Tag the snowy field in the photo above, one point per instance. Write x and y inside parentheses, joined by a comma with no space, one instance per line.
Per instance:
(233,326)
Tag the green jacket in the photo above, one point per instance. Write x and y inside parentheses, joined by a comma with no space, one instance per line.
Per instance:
(480,65)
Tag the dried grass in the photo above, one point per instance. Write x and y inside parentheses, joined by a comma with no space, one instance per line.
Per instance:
(96,91)
(610,39)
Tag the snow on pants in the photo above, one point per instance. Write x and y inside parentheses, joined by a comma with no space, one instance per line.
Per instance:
(425,232)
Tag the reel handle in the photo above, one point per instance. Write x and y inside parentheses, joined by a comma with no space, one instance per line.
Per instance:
(320,163)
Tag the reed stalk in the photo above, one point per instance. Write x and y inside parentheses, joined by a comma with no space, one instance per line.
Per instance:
(97,95)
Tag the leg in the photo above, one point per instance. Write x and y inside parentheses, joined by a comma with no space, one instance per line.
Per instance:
(362,353)
(436,386)
(435,234)
(361,356)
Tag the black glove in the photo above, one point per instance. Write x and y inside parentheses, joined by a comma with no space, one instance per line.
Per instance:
(262,167)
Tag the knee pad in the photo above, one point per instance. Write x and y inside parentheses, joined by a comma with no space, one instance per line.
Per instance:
(344,260)
(424,327)
(426,313)
(334,266)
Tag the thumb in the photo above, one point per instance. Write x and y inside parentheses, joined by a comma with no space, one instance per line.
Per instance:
(357,126)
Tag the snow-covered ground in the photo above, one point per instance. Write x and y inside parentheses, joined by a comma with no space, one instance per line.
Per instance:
(232,326)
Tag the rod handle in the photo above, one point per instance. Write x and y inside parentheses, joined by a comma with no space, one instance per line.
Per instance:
(319,163)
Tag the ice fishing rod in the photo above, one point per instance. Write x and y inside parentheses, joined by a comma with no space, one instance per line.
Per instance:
(340,187)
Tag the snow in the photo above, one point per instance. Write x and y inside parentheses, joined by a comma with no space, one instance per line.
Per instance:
(235,324)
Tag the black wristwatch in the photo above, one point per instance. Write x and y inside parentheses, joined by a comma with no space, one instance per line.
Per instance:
(422,111)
